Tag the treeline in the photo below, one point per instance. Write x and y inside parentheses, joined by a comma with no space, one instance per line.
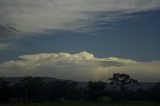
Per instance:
(35,89)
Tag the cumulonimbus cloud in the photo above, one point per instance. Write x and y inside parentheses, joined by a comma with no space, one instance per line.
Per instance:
(40,15)
(82,66)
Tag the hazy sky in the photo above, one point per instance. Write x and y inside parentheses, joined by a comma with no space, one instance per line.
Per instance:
(80,39)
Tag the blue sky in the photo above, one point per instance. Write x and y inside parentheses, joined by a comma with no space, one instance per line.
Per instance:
(121,32)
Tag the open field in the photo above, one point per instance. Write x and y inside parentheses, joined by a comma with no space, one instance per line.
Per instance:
(81,104)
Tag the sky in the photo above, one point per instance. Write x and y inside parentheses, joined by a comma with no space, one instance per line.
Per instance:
(80,39)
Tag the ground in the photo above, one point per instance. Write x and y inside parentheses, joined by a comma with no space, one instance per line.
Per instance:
(82,104)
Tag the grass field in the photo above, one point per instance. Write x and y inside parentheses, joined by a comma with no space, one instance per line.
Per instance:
(82,104)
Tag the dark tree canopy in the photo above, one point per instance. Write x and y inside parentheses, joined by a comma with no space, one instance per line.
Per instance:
(122,80)
(5,91)
(36,89)
(31,89)
(96,90)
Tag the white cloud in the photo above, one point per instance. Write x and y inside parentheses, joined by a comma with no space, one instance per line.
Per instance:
(82,66)
(38,15)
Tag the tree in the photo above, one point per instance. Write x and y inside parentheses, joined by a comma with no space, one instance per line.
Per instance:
(121,82)
(62,89)
(30,89)
(56,90)
(154,92)
(5,91)
(72,92)
(96,90)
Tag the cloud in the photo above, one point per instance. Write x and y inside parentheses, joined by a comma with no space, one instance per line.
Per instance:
(40,15)
(82,66)
(6,30)
(7,47)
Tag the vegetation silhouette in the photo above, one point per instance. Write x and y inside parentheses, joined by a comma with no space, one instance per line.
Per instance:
(96,90)
(121,82)
(35,89)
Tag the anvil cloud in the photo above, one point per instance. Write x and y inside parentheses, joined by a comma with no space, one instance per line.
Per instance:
(82,66)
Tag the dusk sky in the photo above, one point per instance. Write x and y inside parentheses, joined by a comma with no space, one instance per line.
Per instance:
(80,39)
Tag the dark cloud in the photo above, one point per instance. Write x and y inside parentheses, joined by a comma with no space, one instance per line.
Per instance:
(111,63)
(7,30)
(37,15)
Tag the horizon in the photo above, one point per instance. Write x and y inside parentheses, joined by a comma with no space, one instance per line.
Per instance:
(107,82)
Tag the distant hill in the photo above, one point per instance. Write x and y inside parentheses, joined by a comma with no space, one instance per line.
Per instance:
(142,85)
(14,80)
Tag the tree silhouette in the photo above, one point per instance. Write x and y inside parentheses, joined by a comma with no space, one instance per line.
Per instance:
(5,91)
(72,91)
(30,89)
(154,92)
(96,90)
(121,82)
(63,89)
(35,89)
